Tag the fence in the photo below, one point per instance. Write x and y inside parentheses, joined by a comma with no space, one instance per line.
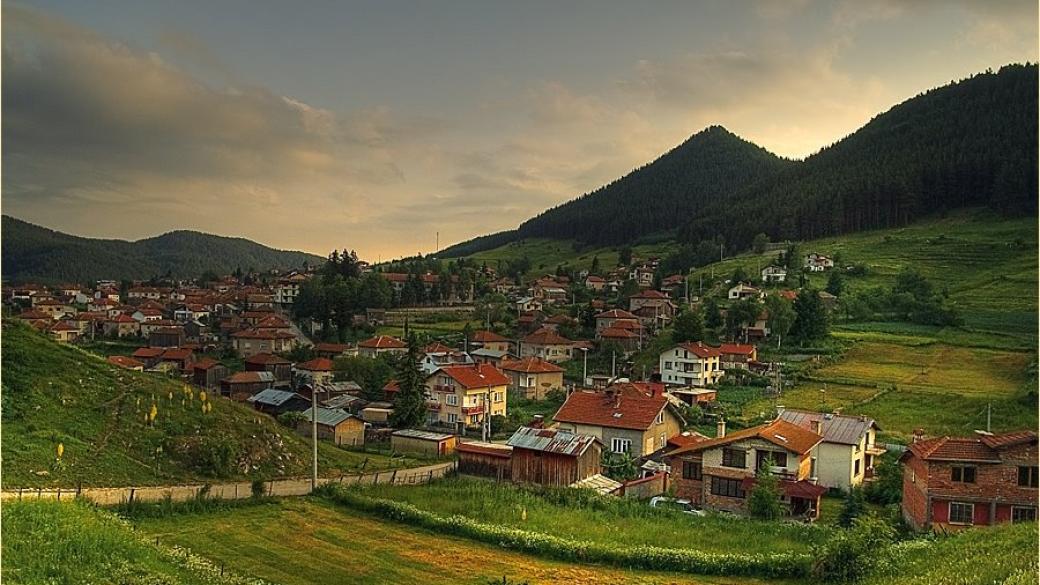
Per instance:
(233,490)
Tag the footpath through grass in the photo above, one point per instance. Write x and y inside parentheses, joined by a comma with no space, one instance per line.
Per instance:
(311,541)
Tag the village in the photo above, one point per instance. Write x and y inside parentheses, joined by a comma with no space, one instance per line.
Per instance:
(608,380)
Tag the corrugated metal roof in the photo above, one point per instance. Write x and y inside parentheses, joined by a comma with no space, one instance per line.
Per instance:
(328,416)
(835,428)
(272,397)
(551,441)
(417,434)
(598,482)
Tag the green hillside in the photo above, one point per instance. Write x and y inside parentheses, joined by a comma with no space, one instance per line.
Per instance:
(59,394)
(32,252)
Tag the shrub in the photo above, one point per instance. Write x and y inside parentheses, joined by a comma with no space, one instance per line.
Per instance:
(257,487)
(764,500)
(854,507)
(851,554)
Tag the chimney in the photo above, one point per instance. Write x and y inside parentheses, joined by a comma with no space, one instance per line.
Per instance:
(918,435)
(720,429)
(537,421)
(814,426)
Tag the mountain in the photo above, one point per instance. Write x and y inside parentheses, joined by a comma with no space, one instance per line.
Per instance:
(966,144)
(32,252)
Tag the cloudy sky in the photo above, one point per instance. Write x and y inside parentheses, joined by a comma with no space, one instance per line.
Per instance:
(375,125)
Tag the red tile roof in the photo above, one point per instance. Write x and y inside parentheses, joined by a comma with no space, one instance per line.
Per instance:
(778,432)
(649,294)
(123,319)
(685,440)
(700,350)
(983,448)
(316,365)
(736,349)
(176,353)
(34,315)
(618,333)
(475,376)
(124,361)
(531,365)
(438,347)
(63,326)
(625,406)
(1009,439)
(272,322)
(383,342)
(205,363)
(545,336)
(616,314)
(147,352)
(257,334)
(486,337)
(246,378)
(266,359)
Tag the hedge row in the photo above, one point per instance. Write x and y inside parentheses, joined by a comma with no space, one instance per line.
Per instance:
(652,558)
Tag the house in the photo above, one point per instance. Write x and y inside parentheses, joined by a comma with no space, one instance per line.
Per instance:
(33,317)
(691,396)
(334,424)
(425,443)
(547,345)
(126,362)
(529,321)
(691,364)
(743,291)
(56,309)
(208,372)
(773,274)
(149,356)
(166,336)
(316,372)
(276,402)
(463,395)
(670,283)
(64,332)
(178,357)
(737,355)
(334,350)
(491,340)
(818,262)
(491,356)
(287,289)
(122,326)
(482,459)
(643,275)
(596,283)
(142,315)
(846,456)
(626,339)
(952,482)
(553,457)
(558,320)
(437,355)
(531,378)
(249,342)
(627,417)
(268,362)
(380,344)
(527,304)
(719,473)
(660,304)
(612,318)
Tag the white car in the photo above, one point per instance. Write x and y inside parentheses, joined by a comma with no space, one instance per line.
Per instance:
(682,505)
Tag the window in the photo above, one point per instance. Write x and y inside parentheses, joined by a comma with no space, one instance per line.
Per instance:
(668,365)
(855,468)
(961,513)
(1027,477)
(498,397)
(691,470)
(660,417)
(451,400)
(731,488)
(963,474)
(453,418)
(734,458)
(620,445)
(1023,514)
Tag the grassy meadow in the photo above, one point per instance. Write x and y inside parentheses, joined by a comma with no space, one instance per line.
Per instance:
(310,541)
(55,394)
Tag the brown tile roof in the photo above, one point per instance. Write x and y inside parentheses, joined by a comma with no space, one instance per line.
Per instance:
(531,365)
(438,347)
(624,406)
(123,319)
(124,361)
(618,333)
(779,432)
(272,322)
(1009,439)
(147,352)
(34,315)
(266,359)
(984,448)
(316,365)
(486,337)
(383,342)
(257,334)
(176,353)
(545,336)
(475,376)
(616,314)
(649,294)
(736,349)
(205,363)
(700,350)
(247,377)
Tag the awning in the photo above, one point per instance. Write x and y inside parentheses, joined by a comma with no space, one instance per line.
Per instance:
(792,489)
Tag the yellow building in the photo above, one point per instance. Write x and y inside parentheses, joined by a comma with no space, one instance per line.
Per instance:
(464,394)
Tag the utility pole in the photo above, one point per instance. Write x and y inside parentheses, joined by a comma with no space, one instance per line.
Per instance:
(314,438)
(613,365)
(438,243)
(989,416)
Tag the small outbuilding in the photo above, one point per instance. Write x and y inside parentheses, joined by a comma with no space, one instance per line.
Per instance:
(415,442)
(275,402)
(485,459)
(554,457)
(336,425)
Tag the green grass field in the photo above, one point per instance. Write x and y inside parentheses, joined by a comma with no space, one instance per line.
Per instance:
(310,541)
(58,394)
(545,254)
(621,522)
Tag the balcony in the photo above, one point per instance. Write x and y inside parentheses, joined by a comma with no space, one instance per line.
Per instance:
(434,406)
(875,449)
(443,388)
(468,410)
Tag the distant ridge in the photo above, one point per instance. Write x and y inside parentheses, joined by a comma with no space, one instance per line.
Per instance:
(32,252)
(965,144)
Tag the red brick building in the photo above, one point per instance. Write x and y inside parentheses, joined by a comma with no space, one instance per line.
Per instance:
(982,480)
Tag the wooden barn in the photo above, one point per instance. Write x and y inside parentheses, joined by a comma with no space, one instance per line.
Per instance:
(414,442)
(485,459)
(553,457)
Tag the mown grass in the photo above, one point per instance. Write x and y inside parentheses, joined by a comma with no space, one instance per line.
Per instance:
(611,521)
(66,542)
(58,394)
(309,541)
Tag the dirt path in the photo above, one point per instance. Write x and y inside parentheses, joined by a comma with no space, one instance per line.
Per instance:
(233,490)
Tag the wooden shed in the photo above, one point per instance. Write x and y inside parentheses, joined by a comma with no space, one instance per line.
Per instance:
(414,442)
(554,457)
(336,425)
(485,459)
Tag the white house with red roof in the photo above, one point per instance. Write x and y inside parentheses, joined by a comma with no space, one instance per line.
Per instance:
(532,377)
(547,345)
(629,417)
(691,364)
(465,394)
(381,344)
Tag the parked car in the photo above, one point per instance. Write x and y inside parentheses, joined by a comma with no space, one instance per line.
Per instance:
(684,506)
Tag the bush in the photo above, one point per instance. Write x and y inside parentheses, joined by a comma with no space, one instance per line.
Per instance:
(854,507)
(782,565)
(851,554)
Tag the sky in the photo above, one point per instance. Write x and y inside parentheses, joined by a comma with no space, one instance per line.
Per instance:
(378,125)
